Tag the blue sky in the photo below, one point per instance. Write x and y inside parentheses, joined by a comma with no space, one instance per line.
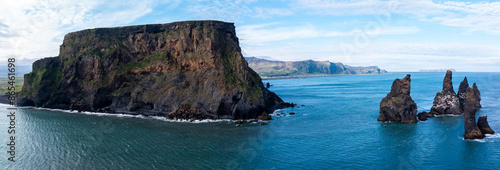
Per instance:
(396,35)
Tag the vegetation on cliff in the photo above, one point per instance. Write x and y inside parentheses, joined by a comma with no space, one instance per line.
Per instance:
(191,69)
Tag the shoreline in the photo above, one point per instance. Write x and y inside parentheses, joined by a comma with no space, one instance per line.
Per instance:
(338,75)
(322,75)
(161,118)
(5,102)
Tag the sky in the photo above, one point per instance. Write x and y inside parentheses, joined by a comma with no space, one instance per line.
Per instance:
(396,35)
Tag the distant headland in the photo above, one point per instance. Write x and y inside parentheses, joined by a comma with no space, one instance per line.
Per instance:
(308,68)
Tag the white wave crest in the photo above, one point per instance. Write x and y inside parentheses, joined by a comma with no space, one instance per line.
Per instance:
(162,118)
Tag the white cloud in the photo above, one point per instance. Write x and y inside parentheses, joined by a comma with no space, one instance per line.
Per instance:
(480,16)
(266,13)
(35,29)
(255,34)
(342,8)
(391,56)
(224,10)
(233,11)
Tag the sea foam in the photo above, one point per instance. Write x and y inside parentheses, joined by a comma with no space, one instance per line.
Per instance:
(129,115)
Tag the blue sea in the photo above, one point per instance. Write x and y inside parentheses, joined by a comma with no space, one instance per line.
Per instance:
(335,127)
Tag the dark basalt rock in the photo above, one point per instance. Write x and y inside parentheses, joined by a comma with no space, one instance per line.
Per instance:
(478,96)
(422,116)
(482,124)
(471,129)
(184,70)
(446,101)
(398,106)
(462,89)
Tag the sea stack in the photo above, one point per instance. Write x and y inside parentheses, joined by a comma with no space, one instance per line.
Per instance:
(182,70)
(482,124)
(478,95)
(446,101)
(398,106)
(462,90)
(471,129)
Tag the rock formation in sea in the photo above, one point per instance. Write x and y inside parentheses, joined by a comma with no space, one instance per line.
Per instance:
(422,116)
(478,95)
(446,101)
(462,90)
(471,129)
(191,69)
(482,124)
(398,106)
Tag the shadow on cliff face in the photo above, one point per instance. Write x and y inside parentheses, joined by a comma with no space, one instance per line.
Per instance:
(181,70)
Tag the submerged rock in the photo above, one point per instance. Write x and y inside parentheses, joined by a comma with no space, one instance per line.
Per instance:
(446,101)
(398,106)
(422,116)
(471,129)
(482,124)
(265,116)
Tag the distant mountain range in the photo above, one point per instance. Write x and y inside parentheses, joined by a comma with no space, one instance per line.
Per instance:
(268,68)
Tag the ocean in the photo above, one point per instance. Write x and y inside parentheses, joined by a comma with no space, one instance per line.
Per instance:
(335,126)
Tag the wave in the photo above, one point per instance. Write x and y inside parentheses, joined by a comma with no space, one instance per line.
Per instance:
(129,115)
(6,105)
(450,115)
(474,140)
(493,136)
(488,136)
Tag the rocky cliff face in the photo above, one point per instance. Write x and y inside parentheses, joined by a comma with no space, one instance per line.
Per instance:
(309,67)
(398,106)
(188,69)
(478,95)
(462,90)
(471,129)
(446,101)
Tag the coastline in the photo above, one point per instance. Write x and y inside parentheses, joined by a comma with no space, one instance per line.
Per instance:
(143,115)
(338,75)
(321,75)
(162,118)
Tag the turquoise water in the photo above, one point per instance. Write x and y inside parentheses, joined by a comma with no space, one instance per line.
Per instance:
(336,128)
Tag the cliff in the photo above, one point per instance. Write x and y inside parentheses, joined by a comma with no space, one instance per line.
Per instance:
(191,69)
(270,68)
